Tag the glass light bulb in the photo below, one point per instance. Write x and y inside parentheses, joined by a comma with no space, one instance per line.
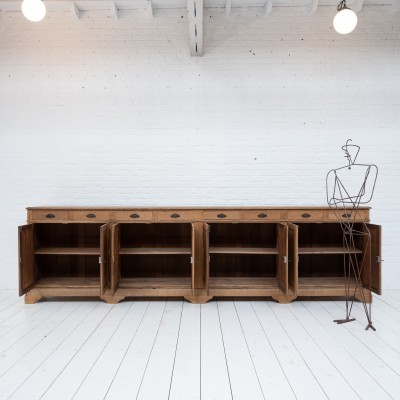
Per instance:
(345,21)
(33,10)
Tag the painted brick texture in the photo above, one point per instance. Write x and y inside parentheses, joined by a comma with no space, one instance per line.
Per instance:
(115,112)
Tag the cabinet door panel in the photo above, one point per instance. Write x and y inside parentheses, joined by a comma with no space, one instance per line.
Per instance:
(293,257)
(115,267)
(104,258)
(372,269)
(206,241)
(282,272)
(26,264)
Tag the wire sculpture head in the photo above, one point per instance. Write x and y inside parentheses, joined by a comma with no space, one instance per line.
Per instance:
(351,151)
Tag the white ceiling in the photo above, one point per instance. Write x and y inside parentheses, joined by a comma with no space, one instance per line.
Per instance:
(90,5)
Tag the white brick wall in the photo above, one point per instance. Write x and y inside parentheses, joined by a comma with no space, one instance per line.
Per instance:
(115,112)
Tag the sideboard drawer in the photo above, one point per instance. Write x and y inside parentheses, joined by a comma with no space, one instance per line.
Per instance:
(89,216)
(132,216)
(49,216)
(221,215)
(262,215)
(176,215)
(343,215)
(306,215)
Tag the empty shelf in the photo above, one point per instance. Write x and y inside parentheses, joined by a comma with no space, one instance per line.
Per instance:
(68,282)
(327,250)
(156,250)
(243,283)
(69,250)
(155,283)
(243,250)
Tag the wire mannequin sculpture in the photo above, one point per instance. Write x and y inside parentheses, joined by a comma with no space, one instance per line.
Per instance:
(347,188)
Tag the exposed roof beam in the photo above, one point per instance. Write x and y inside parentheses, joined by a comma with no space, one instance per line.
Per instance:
(268,7)
(357,6)
(150,9)
(195,19)
(75,11)
(114,10)
(314,6)
(228,7)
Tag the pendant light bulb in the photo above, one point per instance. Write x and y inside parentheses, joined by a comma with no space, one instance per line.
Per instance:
(345,20)
(33,10)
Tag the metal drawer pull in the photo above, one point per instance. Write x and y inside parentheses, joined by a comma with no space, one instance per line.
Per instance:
(91,216)
(262,215)
(221,215)
(306,215)
(346,215)
(50,216)
(175,215)
(134,215)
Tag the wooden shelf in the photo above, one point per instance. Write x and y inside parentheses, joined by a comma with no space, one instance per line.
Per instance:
(243,283)
(155,283)
(84,251)
(68,282)
(326,250)
(243,250)
(155,250)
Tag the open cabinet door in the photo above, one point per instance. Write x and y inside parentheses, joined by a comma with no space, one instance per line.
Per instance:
(104,258)
(293,257)
(193,254)
(206,241)
(26,264)
(282,272)
(371,274)
(115,268)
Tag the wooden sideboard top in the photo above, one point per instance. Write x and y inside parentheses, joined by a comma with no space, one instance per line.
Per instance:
(166,208)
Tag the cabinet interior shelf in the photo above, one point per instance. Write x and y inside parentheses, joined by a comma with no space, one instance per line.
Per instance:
(155,283)
(83,251)
(242,283)
(326,250)
(68,282)
(243,250)
(155,250)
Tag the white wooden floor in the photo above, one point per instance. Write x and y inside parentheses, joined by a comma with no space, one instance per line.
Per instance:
(225,349)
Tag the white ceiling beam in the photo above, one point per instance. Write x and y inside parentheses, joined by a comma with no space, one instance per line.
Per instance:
(357,6)
(150,12)
(395,7)
(114,10)
(314,7)
(268,8)
(228,7)
(75,11)
(195,19)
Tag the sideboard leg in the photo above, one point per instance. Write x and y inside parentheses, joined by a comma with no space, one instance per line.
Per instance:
(367,296)
(284,298)
(32,298)
(110,299)
(202,299)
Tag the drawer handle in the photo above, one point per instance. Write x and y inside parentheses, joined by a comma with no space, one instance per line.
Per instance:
(262,215)
(91,216)
(306,215)
(50,216)
(346,215)
(221,215)
(134,215)
(175,215)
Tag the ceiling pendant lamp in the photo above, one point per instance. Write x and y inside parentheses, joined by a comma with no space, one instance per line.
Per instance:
(33,10)
(345,20)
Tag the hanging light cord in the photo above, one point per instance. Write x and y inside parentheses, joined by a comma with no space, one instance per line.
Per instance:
(342,5)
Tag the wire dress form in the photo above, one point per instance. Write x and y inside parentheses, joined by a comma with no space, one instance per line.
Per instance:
(347,188)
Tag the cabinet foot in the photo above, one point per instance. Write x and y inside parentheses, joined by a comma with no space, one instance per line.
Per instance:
(284,298)
(198,299)
(110,299)
(32,298)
